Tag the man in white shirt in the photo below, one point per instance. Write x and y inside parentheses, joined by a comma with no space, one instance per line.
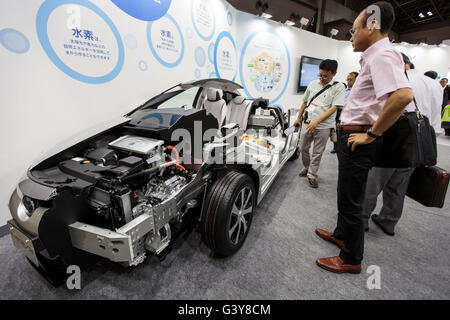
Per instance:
(321,100)
(394,181)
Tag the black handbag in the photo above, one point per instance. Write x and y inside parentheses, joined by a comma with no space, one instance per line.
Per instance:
(410,142)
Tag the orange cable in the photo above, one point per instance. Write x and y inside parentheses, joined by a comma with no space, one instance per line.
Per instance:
(176,154)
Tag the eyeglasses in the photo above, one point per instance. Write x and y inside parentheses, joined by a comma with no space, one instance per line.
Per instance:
(323,76)
(352,32)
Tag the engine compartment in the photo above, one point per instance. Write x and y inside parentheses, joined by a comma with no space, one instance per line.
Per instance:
(114,173)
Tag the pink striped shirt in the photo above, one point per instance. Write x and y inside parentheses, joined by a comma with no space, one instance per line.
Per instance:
(382,73)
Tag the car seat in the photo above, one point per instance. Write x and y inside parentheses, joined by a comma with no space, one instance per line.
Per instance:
(238,111)
(216,106)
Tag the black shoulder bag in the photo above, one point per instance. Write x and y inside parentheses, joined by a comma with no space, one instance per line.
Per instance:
(328,86)
(410,142)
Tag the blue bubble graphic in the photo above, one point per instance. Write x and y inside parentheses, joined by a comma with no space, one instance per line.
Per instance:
(200,56)
(130,42)
(152,48)
(241,63)
(143,65)
(230,18)
(211,52)
(145,10)
(197,73)
(223,34)
(14,40)
(42,17)
(203,36)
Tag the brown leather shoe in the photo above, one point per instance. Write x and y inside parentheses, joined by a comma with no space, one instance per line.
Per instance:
(303,173)
(329,237)
(335,264)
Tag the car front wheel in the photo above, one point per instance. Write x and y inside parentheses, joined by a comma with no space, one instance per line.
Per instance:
(228,213)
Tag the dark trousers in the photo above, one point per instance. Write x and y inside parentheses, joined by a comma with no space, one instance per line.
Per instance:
(353,170)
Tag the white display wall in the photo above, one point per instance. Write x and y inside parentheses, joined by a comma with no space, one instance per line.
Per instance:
(67,65)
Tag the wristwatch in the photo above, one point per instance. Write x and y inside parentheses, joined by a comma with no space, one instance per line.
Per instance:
(371,134)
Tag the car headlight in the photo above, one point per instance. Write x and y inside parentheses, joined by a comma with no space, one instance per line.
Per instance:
(26,208)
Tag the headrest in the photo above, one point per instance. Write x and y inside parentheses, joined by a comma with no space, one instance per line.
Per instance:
(238,99)
(213,95)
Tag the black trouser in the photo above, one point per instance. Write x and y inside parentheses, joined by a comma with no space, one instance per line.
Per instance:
(353,170)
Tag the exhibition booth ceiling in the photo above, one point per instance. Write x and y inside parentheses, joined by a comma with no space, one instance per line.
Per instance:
(416,20)
(69,64)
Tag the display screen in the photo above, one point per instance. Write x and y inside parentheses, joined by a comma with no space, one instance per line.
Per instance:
(309,71)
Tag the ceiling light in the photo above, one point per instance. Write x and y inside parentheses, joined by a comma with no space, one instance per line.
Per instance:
(421,15)
(263,7)
(334,32)
(429,13)
(304,21)
(423,44)
(443,45)
(289,23)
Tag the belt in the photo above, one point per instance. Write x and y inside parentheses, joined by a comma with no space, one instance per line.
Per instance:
(362,128)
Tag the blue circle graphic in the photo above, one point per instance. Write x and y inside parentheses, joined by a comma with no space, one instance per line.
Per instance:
(155,54)
(130,42)
(200,56)
(230,18)
(143,65)
(204,37)
(211,52)
(197,73)
(41,26)
(145,10)
(223,34)
(241,63)
(14,40)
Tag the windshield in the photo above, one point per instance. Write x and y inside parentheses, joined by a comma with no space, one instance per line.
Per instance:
(185,99)
(175,98)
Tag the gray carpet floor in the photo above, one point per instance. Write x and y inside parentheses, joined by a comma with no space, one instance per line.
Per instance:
(278,259)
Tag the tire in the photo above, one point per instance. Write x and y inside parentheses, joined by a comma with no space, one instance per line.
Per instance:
(227,214)
(296,154)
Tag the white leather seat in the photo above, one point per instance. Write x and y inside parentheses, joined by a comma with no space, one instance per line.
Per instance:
(216,106)
(238,111)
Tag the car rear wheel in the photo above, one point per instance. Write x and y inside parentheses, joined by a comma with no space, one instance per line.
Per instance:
(228,213)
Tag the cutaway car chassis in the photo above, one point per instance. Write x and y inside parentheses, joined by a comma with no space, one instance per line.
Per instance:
(125,192)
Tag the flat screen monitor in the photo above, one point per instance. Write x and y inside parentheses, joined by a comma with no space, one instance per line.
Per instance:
(309,71)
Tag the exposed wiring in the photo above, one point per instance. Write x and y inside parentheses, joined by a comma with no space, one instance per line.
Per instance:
(177,157)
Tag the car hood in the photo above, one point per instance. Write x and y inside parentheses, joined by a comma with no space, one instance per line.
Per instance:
(78,137)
